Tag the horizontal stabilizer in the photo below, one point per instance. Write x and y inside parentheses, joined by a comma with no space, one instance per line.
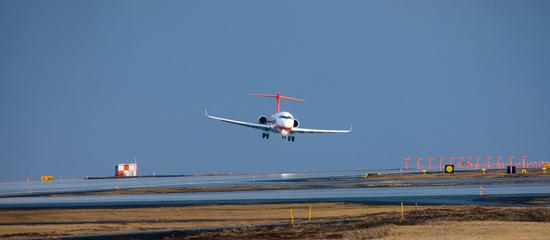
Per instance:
(275,96)
(278,97)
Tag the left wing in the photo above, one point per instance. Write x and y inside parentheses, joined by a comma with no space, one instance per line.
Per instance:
(306,130)
(264,127)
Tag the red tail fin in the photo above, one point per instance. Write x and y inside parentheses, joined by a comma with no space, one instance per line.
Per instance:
(278,97)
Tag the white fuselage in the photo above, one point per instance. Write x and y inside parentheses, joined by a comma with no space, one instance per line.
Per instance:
(281,122)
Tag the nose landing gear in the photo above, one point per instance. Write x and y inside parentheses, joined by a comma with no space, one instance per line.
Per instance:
(265,135)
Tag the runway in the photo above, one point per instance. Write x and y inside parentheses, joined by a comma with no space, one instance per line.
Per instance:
(453,194)
(425,195)
(72,185)
(17,188)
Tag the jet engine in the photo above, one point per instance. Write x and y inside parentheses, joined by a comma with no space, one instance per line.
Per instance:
(296,123)
(262,119)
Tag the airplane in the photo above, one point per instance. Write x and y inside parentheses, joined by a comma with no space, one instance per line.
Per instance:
(280,122)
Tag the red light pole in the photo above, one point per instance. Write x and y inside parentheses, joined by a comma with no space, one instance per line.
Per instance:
(406,161)
(523,158)
(499,161)
(510,160)
(451,159)
(430,162)
(478,158)
(468,162)
(460,159)
(418,162)
(441,160)
(488,161)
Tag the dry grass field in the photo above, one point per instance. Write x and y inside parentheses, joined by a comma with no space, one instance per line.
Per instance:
(482,230)
(330,220)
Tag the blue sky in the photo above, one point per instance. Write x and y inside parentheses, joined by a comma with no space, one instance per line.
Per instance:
(87,84)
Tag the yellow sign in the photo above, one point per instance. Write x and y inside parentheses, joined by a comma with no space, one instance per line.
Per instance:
(449,168)
(46,178)
(524,171)
(547,165)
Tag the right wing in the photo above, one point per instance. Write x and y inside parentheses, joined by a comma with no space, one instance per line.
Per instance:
(307,130)
(264,127)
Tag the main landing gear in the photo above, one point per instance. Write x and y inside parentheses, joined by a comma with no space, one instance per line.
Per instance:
(288,138)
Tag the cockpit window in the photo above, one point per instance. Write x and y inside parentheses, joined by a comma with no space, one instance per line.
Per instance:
(285,117)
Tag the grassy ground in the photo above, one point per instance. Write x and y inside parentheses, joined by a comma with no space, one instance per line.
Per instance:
(486,230)
(330,220)
(414,226)
(23,223)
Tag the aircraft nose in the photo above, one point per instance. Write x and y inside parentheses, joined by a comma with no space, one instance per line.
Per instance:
(289,123)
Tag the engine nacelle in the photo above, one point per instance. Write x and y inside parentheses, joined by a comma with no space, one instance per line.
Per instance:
(296,123)
(262,119)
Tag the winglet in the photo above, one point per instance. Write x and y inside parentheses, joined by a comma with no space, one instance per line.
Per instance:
(206,112)
(351,128)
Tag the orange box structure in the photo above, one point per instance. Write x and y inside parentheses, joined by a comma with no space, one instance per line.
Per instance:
(126,170)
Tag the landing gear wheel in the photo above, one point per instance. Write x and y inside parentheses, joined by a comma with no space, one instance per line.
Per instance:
(292,137)
(267,135)
(263,135)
